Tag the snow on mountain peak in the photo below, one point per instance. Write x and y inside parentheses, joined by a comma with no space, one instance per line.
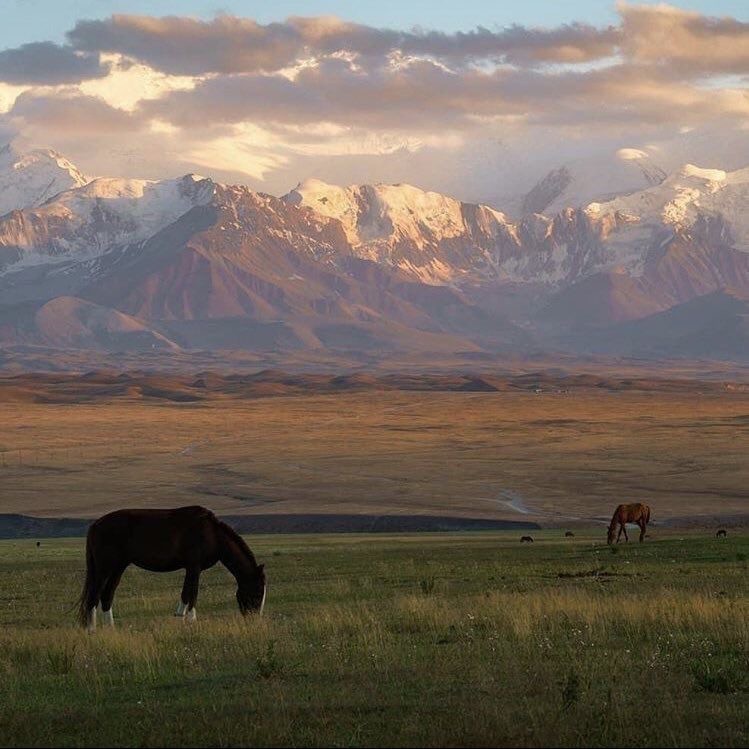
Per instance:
(593,179)
(106,212)
(29,178)
(406,226)
(689,193)
(328,200)
(708,175)
(631,154)
(381,212)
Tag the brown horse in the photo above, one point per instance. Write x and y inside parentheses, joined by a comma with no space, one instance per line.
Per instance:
(189,538)
(635,513)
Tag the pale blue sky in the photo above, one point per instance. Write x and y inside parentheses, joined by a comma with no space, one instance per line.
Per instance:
(42,20)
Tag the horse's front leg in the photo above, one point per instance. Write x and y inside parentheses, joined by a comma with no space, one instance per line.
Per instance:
(643,526)
(619,535)
(189,597)
(626,537)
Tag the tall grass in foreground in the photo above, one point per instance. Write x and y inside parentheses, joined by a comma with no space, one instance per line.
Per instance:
(657,658)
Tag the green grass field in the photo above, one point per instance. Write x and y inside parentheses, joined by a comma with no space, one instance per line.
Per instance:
(450,640)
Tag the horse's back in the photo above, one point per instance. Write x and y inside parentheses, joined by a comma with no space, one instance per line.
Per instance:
(155,538)
(641,511)
(134,516)
(633,512)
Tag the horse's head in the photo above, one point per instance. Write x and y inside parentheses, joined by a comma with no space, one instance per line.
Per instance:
(251,591)
(612,533)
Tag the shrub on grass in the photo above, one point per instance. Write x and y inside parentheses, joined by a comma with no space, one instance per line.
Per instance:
(427,585)
(727,674)
(60,659)
(268,663)
(570,690)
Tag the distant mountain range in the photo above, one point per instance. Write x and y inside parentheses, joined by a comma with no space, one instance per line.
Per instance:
(613,257)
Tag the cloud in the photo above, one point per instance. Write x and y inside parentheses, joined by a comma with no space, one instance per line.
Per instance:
(683,41)
(71,112)
(227,44)
(424,95)
(656,66)
(236,97)
(186,46)
(569,43)
(48,64)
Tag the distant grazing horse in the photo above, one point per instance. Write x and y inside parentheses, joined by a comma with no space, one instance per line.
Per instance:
(721,533)
(189,538)
(526,540)
(634,513)
(569,534)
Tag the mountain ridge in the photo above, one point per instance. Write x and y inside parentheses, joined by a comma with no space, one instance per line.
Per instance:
(189,262)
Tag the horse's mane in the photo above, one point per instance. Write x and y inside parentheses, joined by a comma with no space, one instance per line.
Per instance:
(238,540)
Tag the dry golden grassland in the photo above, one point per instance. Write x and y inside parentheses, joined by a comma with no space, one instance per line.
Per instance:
(566,455)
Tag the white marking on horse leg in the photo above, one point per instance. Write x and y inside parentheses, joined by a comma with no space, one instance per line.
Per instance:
(192,615)
(181,608)
(91,623)
(262,603)
(107,617)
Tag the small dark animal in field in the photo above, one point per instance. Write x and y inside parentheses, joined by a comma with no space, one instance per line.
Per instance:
(721,533)
(634,513)
(38,544)
(569,534)
(189,538)
(526,540)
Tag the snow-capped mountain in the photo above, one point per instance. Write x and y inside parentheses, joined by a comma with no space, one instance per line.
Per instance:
(87,221)
(192,263)
(689,197)
(434,238)
(598,178)
(29,178)
(439,240)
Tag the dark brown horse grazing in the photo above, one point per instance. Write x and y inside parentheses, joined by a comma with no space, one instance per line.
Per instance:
(189,538)
(635,513)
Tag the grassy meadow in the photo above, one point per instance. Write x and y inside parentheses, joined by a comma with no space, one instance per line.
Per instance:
(432,639)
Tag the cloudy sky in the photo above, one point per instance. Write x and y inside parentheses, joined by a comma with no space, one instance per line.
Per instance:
(476,98)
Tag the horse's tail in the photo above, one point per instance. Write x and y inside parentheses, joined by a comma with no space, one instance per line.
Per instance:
(89,586)
(647,514)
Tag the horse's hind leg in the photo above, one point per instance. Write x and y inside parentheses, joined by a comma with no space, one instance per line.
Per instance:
(643,526)
(107,596)
(93,596)
(189,597)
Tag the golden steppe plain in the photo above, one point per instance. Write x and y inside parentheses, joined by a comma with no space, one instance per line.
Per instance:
(555,457)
